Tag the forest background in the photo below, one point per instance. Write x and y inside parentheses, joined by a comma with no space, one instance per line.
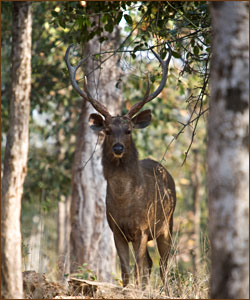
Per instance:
(177,136)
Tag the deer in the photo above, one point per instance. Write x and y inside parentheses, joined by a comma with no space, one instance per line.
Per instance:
(140,196)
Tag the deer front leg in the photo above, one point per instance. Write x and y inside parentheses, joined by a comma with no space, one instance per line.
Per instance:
(123,252)
(143,261)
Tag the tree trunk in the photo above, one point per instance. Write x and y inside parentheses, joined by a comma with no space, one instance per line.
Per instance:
(91,239)
(34,258)
(196,185)
(228,152)
(63,212)
(63,236)
(16,152)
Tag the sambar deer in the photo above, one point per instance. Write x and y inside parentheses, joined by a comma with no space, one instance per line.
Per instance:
(141,198)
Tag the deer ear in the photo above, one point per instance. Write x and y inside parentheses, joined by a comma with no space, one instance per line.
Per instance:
(143,119)
(96,122)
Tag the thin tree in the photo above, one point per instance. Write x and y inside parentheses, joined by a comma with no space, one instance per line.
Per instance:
(15,159)
(196,187)
(91,239)
(228,151)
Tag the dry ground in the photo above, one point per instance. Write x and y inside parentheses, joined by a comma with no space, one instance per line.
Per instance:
(36,286)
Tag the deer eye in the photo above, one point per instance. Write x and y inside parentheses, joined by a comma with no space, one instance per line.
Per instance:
(128,131)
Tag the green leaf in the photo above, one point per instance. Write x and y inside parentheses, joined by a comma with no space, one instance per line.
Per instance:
(88,22)
(138,47)
(133,55)
(176,55)
(124,4)
(118,18)
(196,50)
(79,22)
(105,18)
(102,39)
(128,19)
(182,91)
(98,31)
(54,14)
(109,27)
(61,21)
(93,277)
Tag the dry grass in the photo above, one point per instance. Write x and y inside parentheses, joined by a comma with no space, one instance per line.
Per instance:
(179,287)
(181,282)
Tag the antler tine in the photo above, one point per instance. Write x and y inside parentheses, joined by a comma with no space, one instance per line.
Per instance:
(164,64)
(137,106)
(85,94)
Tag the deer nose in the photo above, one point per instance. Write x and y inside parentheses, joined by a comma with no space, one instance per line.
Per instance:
(118,148)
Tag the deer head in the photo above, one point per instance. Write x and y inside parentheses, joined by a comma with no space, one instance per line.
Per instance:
(118,129)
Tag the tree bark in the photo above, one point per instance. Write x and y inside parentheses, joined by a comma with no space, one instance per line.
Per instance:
(63,237)
(228,152)
(91,239)
(196,185)
(15,159)
(63,212)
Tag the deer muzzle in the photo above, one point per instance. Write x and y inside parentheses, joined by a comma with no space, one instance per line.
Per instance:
(118,150)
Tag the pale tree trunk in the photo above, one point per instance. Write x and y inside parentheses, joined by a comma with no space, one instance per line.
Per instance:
(91,239)
(34,258)
(16,152)
(196,187)
(228,152)
(63,213)
(63,236)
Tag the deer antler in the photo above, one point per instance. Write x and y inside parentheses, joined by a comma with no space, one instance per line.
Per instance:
(164,64)
(84,93)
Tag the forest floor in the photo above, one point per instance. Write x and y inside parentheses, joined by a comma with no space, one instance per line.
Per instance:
(36,286)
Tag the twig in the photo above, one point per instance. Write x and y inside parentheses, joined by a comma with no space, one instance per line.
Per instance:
(181,131)
(199,100)
(91,156)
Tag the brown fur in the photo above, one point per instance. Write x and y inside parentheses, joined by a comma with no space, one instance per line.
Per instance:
(140,198)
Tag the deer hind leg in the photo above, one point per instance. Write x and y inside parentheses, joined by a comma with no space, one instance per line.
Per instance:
(164,242)
(123,252)
(143,263)
(149,262)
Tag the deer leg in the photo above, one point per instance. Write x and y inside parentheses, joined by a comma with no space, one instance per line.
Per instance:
(123,252)
(149,262)
(164,242)
(143,261)
(147,267)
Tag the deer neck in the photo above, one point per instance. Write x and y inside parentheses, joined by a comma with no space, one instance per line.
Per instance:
(123,175)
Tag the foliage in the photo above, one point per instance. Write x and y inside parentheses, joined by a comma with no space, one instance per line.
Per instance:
(5,63)
(84,272)
(53,109)
(185,25)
